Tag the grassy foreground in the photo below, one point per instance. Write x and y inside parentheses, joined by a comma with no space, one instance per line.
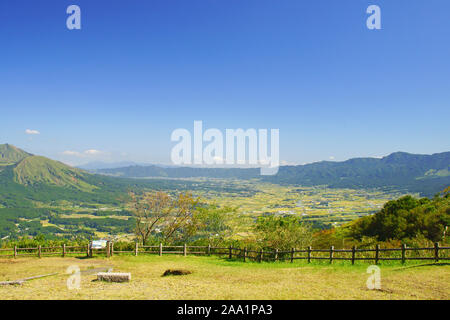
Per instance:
(215,278)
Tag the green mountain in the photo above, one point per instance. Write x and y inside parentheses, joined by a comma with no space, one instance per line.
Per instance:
(9,154)
(31,170)
(413,172)
(26,179)
(40,170)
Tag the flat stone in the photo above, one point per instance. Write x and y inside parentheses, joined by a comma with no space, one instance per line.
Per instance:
(113,277)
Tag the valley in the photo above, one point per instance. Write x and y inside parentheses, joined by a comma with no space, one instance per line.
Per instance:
(40,196)
(320,206)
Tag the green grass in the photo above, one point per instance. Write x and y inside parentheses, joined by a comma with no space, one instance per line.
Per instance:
(216,278)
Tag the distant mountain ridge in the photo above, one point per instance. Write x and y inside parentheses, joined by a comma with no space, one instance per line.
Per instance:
(427,174)
(99,165)
(153,171)
(96,166)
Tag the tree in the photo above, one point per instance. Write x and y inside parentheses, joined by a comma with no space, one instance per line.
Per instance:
(212,222)
(160,212)
(406,218)
(283,233)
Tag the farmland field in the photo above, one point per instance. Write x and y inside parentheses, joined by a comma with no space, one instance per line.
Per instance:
(320,206)
(216,278)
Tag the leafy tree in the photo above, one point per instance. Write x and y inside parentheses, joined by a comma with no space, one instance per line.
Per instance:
(407,218)
(282,233)
(212,222)
(161,213)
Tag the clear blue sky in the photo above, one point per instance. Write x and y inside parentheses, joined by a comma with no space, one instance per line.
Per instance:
(140,69)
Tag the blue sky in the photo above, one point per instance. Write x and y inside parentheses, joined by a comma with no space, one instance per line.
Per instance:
(137,70)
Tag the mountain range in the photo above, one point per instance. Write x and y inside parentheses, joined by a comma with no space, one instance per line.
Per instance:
(26,177)
(98,165)
(426,174)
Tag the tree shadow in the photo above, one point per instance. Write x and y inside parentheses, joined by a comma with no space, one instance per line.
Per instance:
(438,264)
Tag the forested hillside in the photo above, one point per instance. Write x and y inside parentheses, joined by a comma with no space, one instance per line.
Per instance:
(407,218)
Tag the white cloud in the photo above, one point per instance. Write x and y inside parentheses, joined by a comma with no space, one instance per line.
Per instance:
(331,157)
(29,131)
(93,152)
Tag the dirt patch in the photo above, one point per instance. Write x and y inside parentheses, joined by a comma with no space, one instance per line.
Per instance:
(176,272)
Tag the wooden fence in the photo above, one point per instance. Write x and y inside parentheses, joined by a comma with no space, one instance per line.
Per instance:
(377,254)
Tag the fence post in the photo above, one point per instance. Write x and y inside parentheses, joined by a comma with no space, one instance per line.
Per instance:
(230,253)
(15,251)
(331,254)
(377,253)
(112,248)
(436,251)
(39,251)
(108,249)
(64,250)
(245,254)
(403,253)
(276,254)
(88,252)
(353,254)
(160,249)
(292,254)
(209,249)
(261,252)
(309,254)
(184,250)
(136,248)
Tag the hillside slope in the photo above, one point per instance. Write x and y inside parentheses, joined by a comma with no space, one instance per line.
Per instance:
(25,178)
(9,154)
(36,169)
(34,178)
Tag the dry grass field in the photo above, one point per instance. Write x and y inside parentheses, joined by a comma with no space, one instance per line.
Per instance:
(215,278)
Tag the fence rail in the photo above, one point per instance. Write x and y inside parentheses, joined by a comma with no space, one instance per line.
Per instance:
(377,254)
